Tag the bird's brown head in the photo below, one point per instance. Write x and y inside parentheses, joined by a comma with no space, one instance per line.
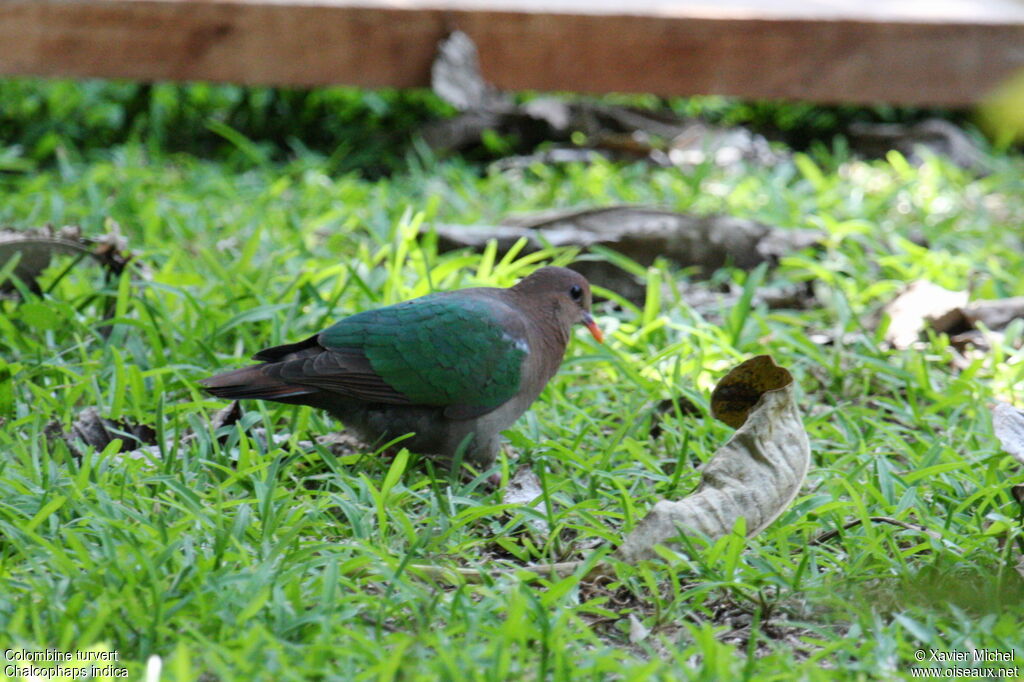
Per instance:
(560,293)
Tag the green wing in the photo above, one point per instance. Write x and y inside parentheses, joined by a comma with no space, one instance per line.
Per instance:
(452,350)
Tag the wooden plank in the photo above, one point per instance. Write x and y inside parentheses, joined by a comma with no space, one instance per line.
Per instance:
(903,52)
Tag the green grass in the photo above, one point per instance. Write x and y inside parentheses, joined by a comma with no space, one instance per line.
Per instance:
(239,560)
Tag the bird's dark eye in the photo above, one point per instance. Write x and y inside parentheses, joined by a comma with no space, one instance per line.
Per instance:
(576,292)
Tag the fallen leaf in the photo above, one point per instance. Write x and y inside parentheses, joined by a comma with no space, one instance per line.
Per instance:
(976,340)
(921,303)
(455,76)
(755,475)
(1008,425)
(340,444)
(550,156)
(938,136)
(637,631)
(524,489)
(226,416)
(90,429)
(741,389)
(994,313)
(617,132)
(466,130)
(640,233)
(700,143)
(36,248)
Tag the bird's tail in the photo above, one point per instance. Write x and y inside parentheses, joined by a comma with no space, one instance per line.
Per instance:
(253,383)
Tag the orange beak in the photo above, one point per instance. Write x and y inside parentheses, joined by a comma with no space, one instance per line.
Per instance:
(588,321)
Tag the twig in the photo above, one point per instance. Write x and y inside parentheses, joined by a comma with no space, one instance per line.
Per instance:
(825,537)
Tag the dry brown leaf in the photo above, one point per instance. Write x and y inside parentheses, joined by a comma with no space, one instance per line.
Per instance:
(1008,425)
(699,143)
(550,156)
(921,303)
(524,489)
(755,475)
(140,441)
(456,78)
(661,137)
(740,390)
(936,135)
(994,314)
(641,233)
(644,232)
(35,248)
(90,429)
(638,632)
(226,416)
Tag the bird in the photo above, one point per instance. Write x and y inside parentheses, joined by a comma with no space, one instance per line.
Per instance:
(453,368)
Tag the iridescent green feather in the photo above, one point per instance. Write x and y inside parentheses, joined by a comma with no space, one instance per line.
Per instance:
(442,349)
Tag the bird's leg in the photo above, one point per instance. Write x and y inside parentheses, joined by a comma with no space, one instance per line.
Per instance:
(510,455)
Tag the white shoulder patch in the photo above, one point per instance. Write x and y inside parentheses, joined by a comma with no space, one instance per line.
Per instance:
(521,344)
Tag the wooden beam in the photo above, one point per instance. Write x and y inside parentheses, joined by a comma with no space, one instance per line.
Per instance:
(937,53)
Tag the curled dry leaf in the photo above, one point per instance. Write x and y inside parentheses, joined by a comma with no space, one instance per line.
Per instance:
(699,142)
(455,76)
(713,301)
(1008,425)
(755,475)
(36,248)
(994,314)
(618,132)
(922,304)
(226,416)
(738,392)
(641,233)
(140,441)
(638,632)
(936,135)
(523,489)
(977,326)
(919,304)
(90,429)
